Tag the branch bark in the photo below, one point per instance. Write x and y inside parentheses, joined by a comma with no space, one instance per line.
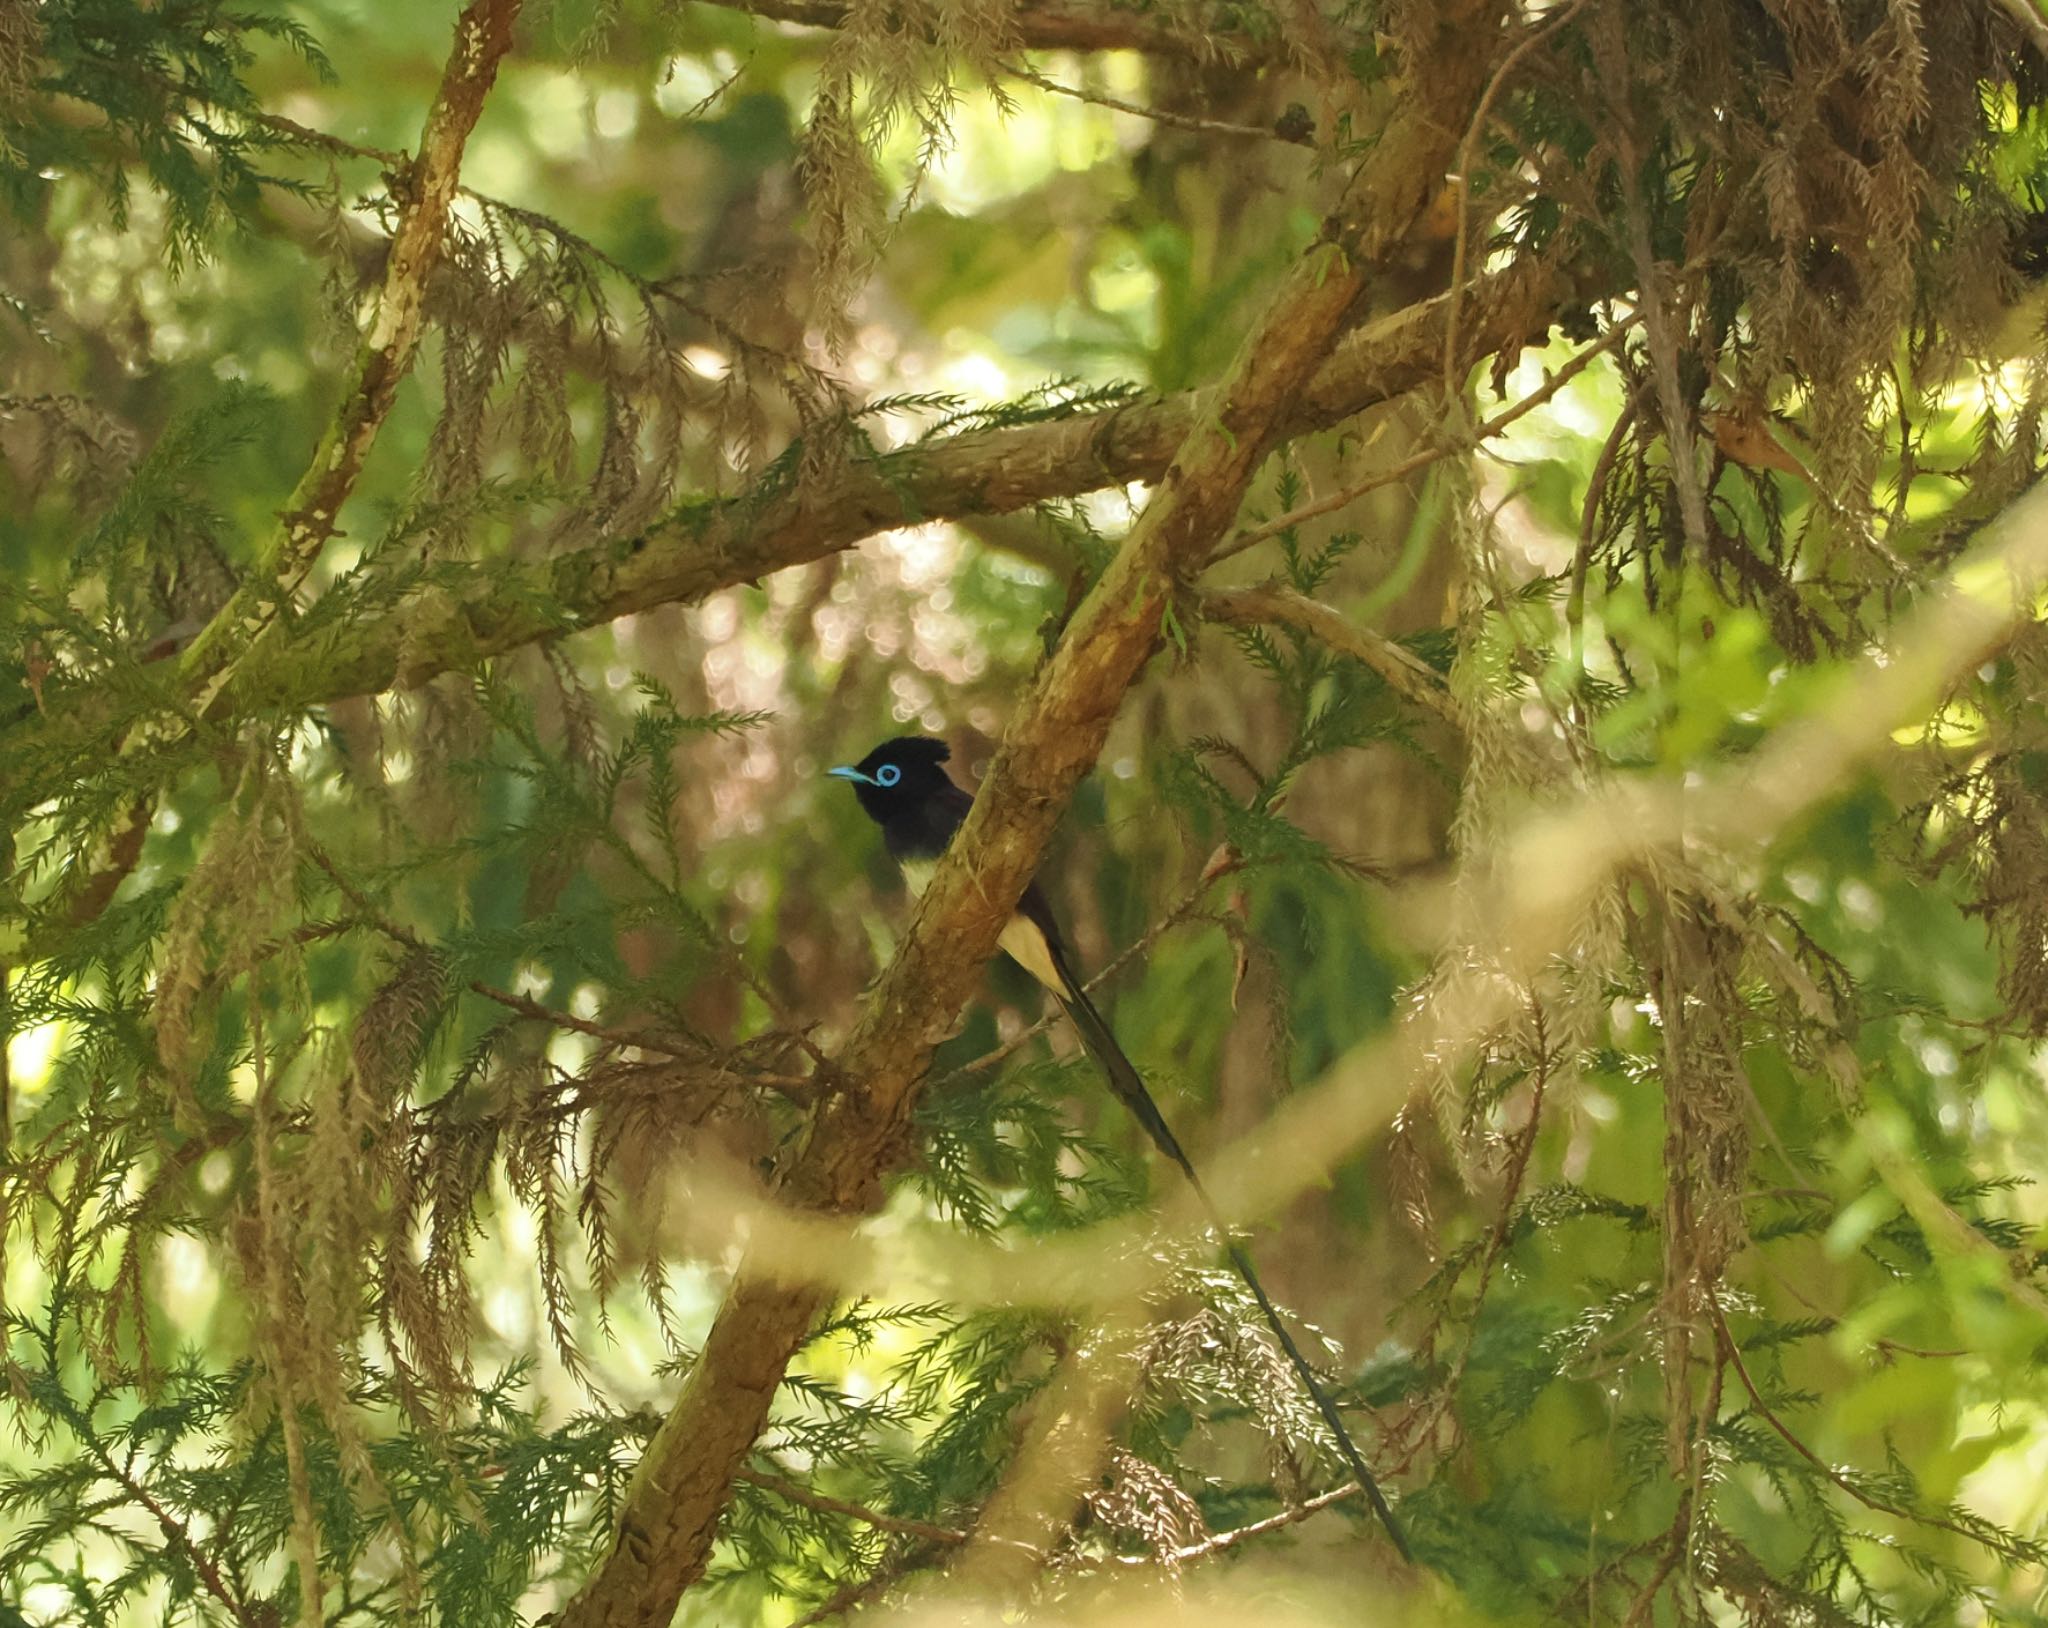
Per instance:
(684,1480)
(2029,21)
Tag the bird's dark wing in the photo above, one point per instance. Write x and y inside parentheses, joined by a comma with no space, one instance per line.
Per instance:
(922,830)
(1124,1078)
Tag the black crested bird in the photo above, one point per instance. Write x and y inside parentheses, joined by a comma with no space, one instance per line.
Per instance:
(904,788)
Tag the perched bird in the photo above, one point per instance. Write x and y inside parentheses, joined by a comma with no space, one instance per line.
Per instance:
(904,788)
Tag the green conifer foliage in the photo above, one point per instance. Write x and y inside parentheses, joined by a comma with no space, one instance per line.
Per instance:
(1525,507)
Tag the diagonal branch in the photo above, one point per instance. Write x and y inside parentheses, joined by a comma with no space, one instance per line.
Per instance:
(2027,16)
(683,1483)
(176,1534)
(483,36)
(681,1487)
(2020,1552)
(1066,1443)
(1445,448)
(797,1493)
(1405,673)
(1279,130)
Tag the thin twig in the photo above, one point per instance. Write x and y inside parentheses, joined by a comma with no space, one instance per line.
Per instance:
(367,908)
(1160,115)
(1258,1529)
(1643,1609)
(1582,556)
(1662,342)
(1422,460)
(637,1040)
(1183,912)
(306,135)
(1461,182)
(273,1297)
(860,1591)
(1202,34)
(1519,1154)
(1762,1410)
(202,1564)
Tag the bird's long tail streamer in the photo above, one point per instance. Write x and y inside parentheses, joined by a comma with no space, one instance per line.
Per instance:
(1129,1087)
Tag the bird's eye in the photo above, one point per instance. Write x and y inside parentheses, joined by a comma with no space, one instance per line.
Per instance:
(887,775)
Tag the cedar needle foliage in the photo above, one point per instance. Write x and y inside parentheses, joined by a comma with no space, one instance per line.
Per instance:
(406,1013)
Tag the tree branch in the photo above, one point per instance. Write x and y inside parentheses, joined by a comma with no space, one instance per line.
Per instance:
(633,1039)
(1346,496)
(1988,1536)
(483,35)
(1406,673)
(1291,1516)
(1065,1442)
(400,631)
(680,1490)
(203,1565)
(2030,21)
(1278,131)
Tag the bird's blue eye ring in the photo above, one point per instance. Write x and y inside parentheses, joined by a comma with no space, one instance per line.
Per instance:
(887,775)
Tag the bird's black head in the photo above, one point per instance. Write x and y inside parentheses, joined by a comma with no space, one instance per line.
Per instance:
(897,775)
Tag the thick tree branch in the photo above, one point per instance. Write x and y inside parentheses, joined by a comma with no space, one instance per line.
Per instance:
(684,1480)
(705,547)
(483,35)
(398,633)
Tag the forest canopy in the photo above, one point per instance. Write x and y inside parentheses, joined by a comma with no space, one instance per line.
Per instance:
(1486,555)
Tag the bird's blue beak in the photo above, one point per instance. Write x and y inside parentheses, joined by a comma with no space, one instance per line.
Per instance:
(844,772)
